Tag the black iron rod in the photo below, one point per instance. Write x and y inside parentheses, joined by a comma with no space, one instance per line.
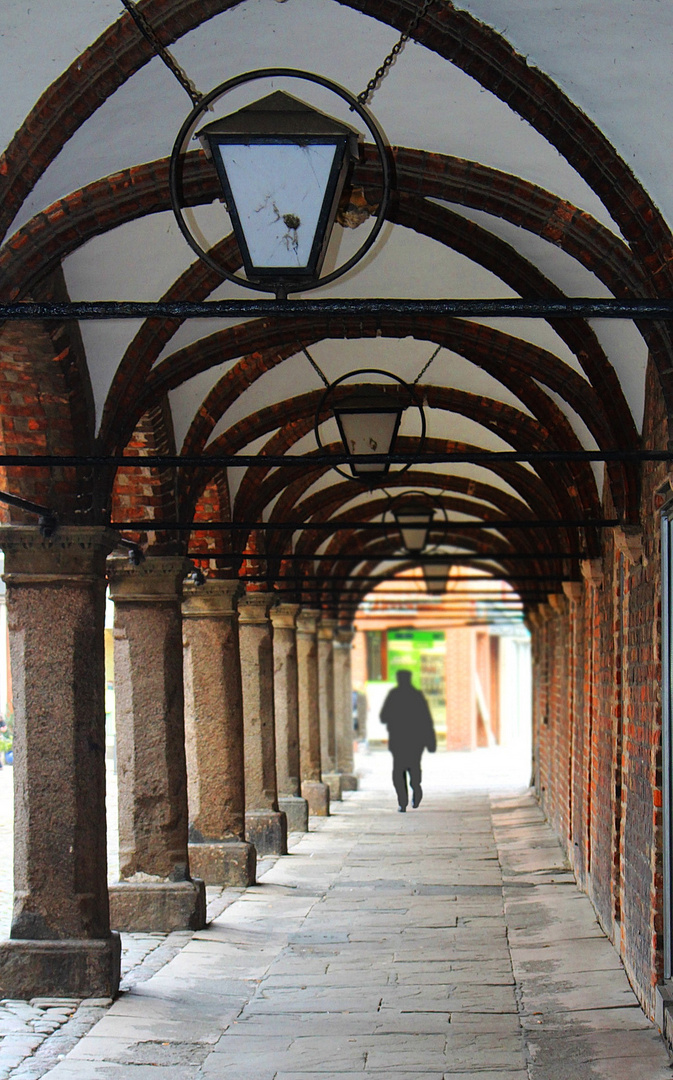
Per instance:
(469,558)
(338,526)
(313,461)
(569,308)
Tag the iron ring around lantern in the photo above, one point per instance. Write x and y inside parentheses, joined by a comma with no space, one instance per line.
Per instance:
(417,509)
(176,170)
(371,402)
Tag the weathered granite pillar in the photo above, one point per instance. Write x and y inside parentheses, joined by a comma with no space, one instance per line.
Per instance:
(266,826)
(313,789)
(286,710)
(156,892)
(218,851)
(343,708)
(330,773)
(61,944)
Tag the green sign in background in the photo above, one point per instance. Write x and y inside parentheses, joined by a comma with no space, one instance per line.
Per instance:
(423,653)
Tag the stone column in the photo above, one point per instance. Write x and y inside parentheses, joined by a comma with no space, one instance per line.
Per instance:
(330,772)
(343,708)
(61,944)
(266,826)
(286,710)
(156,892)
(218,851)
(312,788)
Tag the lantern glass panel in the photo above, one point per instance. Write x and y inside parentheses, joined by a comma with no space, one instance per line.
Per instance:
(279,193)
(414,526)
(365,431)
(436,577)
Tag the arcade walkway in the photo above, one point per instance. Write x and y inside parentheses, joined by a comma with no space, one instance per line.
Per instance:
(449,942)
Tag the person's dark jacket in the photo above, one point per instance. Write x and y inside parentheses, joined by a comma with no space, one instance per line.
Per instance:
(406,714)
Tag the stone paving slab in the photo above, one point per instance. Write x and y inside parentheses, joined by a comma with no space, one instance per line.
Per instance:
(449,943)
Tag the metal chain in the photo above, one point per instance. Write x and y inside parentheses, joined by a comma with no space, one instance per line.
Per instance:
(162,52)
(426,366)
(381,72)
(314,365)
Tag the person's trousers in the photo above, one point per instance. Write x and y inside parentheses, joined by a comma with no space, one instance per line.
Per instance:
(402,766)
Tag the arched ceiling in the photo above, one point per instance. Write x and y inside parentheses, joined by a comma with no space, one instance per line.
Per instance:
(531,161)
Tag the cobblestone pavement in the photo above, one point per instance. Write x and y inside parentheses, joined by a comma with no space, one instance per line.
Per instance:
(447,943)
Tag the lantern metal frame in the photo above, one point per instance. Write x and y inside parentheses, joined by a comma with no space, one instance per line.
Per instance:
(409,496)
(427,569)
(371,478)
(176,170)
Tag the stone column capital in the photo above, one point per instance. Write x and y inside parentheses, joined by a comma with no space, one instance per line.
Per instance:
(284,616)
(72,553)
(343,637)
(254,608)
(327,628)
(592,572)
(214,600)
(558,602)
(574,590)
(158,579)
(307,621)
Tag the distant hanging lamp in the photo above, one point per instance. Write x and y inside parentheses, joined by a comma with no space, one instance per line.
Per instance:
(414,514)
(413,519)
(368,417)
(436,576)
(282,166)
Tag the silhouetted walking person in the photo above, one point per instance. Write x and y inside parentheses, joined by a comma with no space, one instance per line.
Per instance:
(407,716)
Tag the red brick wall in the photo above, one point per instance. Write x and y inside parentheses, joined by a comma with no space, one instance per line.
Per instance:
(597,725)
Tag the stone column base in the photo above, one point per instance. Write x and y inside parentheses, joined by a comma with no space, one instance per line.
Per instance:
(159,906)
(267,830)
(333,781)
(79,968)
(296,812)
(317,797)
(224,862)
(349,782)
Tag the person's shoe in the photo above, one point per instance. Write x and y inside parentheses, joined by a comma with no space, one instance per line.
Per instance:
(416,801)
(401,809)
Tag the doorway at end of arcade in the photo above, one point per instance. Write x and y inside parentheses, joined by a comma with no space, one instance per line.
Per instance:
(477,682)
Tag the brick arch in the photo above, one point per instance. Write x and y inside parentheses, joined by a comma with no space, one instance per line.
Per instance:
(51,235)
(456,35)
(45,397)
(147,495)
(522,432)
(327,505)
(515,363)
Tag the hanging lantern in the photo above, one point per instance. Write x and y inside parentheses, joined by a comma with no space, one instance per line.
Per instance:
(413,519)
(436,576)
(282,166)
(368,424)
(368,418)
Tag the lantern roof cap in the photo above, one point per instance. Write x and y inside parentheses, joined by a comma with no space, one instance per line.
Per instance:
(278,114)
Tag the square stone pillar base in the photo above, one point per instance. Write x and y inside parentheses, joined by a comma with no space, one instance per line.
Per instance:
(349,782)
(317,797)
(296,811)
(158,906)
(224,862)
(333,781)
(78,968)
(267,830)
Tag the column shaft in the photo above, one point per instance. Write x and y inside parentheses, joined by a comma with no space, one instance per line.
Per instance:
(218,851)
(312,787)
(286,709)
(343,708)
(330,772)
(61,942)
(156,891)
(266,825)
